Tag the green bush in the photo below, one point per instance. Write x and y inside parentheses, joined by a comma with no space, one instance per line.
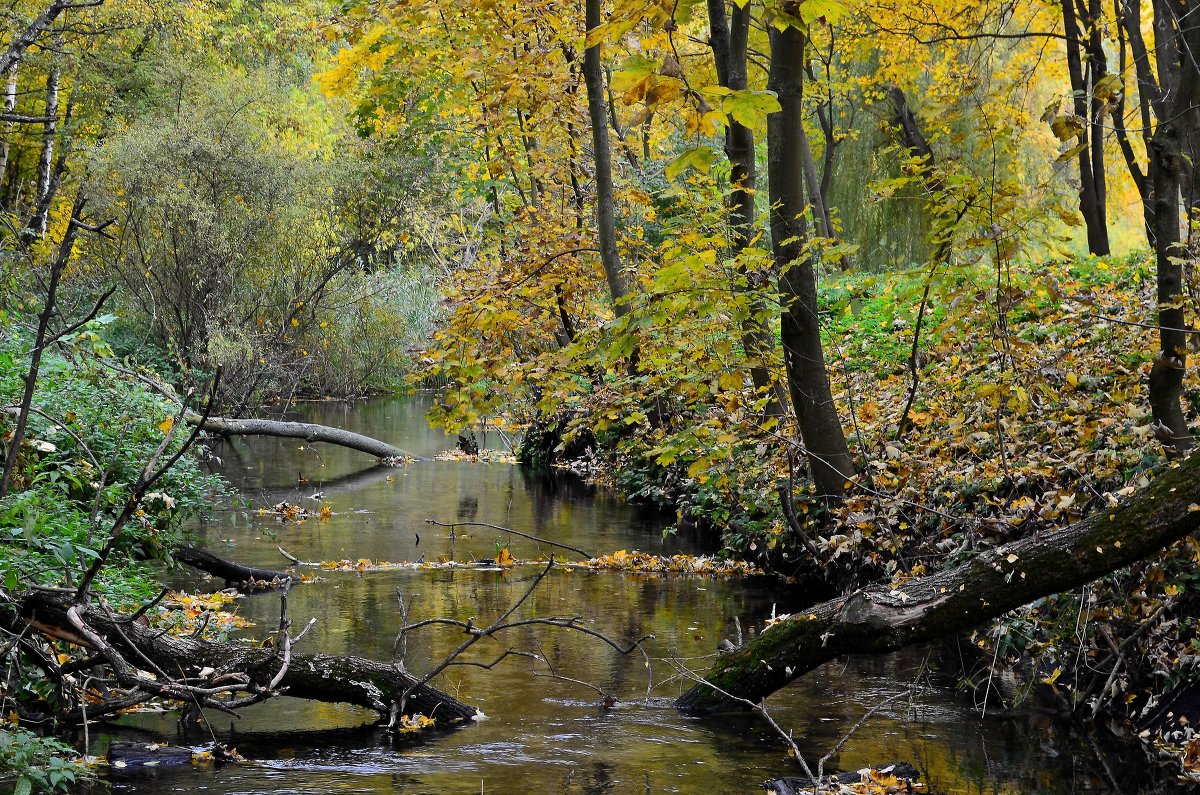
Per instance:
(38,764)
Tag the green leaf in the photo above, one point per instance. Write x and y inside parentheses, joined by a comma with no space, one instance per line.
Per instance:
(24,786)
(829,11)
(750,108)
(698,157)
(684,10)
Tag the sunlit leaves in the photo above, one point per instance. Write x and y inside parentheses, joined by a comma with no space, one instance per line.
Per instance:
(697,157)
(750,108)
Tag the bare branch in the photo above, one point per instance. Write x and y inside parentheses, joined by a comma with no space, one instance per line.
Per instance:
(453,525)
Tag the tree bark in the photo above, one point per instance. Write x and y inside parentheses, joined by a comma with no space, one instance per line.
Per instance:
(729,40)
(309,432)
(46,162)
(800,333)
(37,27)
(10,105)
(881,619)
(1167,372)
(1180,75)
(606,226)
(1091,183)
(318,677)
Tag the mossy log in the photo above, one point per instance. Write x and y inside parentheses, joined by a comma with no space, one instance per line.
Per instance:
(308,431)
(882,619)
(318,677)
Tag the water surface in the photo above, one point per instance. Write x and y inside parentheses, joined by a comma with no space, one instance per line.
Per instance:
(544,733)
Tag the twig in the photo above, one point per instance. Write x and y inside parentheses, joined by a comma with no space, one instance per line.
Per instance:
(489,666)
(474,636)
(290,556)
(609,699)
(760,708)
(141,611)
(789,514)
(1151,326)
(453,525)
(840,744)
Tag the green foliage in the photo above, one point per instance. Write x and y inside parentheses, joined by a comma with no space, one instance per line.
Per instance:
(94,433)
(261,235)
(39,764)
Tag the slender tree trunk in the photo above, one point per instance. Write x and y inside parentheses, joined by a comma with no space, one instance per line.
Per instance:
(606,228)
(1091,190)
(804,359)
(10,104)
(729,41)
(821,216)
(1097,70)
(1167,372)
(41,341)
(1124,46)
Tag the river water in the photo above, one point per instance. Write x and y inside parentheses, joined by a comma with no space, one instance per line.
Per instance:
(547,734)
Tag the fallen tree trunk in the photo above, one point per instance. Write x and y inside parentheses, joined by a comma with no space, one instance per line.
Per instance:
(319,677)
(882,619)
(308,431)
(234,574)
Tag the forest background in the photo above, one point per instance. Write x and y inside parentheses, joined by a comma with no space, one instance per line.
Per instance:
(862,289)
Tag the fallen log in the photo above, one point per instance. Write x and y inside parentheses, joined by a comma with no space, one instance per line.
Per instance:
(881,619)
(234,574)
(308,431)
(318,677)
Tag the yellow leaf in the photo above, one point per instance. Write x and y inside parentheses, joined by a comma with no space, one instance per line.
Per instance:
(166,425)
(504,558)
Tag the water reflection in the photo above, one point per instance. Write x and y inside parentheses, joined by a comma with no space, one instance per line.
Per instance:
(544,733)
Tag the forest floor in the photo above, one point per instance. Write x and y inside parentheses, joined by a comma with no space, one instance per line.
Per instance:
(1030,412)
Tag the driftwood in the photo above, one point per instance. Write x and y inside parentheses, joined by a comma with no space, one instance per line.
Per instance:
(319,677)
(308,431)
(882,619)
(234,574)
(790,785)
(147,755)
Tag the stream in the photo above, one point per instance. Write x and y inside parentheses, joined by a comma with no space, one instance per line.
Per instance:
(546,734)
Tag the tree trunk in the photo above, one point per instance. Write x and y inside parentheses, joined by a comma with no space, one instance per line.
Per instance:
(1149,98)
(318,677)
(42,339)
(10,105)
(1181,81)
(1091,190)
(309,432)
(46,163)
(1167,372)
(804,360)
(882,619)
(606,228)
(729,41)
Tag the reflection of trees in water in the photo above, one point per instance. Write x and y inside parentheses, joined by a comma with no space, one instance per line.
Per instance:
(599,778)
(468,508)
(552,492)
